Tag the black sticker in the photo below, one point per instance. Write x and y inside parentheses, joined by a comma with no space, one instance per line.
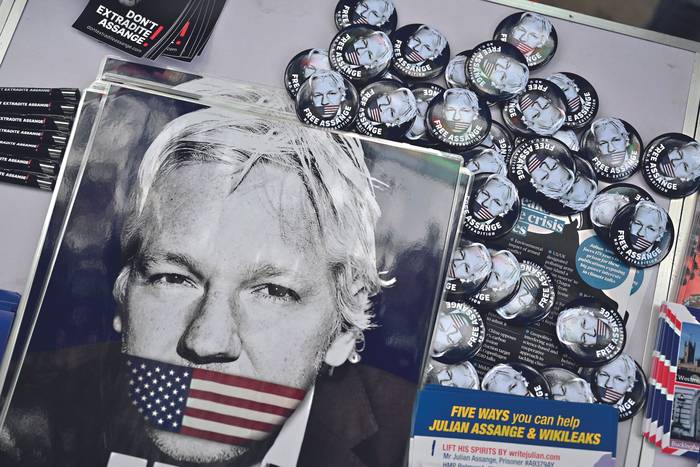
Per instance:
(517,379)
(568,137)
(642,234)
(671,165)
(327,100)
(424,93)
(567,386)
(420,52)
(609,201)
(360,53)
(497,71)
(459,333)
(499,139)
(539,110)
(302,66)
(502,284)
(533,35)
(534,299)
(581,99)
(469,270)
(620,383)
(613,147)
(387,110)
(377,13)
(493,208)
(484,161)
(590,331)
(462,375)
(456,70)
(458,119)
(582,192)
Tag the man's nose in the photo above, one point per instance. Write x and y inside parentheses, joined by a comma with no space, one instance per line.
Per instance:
(325,100)
(212,335)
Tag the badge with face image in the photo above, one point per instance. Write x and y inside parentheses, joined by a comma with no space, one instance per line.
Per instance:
(568,386)
(540,110)
(581,99)
(456,70)
(590,331)
(581,194)
(493,208)
(378,13)
(459,333)
(671,165)
(534,299)
(502,284)
(360,53)
(609,201)
(499,139)
(533,35)
(517,379)
(424,93)
(484,161)
(387,110)
(613,147)
(469,270)
(620,383)
(569,138)
(421,52)
(327,100)
(458,119)
(302,66)
(462,375)
(642,234)
(497,71)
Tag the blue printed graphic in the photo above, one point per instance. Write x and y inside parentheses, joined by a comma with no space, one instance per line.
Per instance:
(532,215)
(598,266)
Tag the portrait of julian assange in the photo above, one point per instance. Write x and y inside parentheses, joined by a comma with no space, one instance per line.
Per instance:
(233,290)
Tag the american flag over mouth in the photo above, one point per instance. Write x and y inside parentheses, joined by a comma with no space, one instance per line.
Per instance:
(524,48)
(361,20)
(525,102)
(602,330)
(353,57)
(575,104)
(482,213)
(610,396)
(459,126)
(617,158)
(488,68)
(640,244)
(667,169)
(414,56)
(534,163)
(374,113)
(208,404)
(330,110)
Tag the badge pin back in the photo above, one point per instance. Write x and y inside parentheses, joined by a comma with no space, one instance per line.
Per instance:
(609,201)
(469,269)
(533,34)
(502,284)
(671,165)
(613,147)
(497,71)
(302,66)
(620,383)
(361,53)
(424,93)
(534,299)
(461,375)
(539,110)
(493,208)
(567,386)
(581,99)
(459,333)
(327,100)
(421,52)
(378,14)
(517,379)
(458,119)
(388,110)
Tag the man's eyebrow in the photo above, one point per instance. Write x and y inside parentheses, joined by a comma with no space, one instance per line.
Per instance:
(183,260)
(264,270)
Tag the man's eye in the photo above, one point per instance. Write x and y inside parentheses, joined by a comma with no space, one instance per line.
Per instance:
(617,378)
(167,279)
(276,292)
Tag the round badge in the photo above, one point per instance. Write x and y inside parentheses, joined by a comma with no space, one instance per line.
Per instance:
(360,53)
(590,331)
(642,234)
(456,70)
(499,139)
(671,165)
(568,386)
(469,270)
(421,52)
(484,161)
(377,13)
(620,383)
(609,201)
(502,283)
(569,138)
(387,110)
(540,110)
(458,119)
(424,93)
(534,299)
(302,66)
(327,100)
(533,35)
(613,147)
(497,71)
(459,333)
(493,208)
(463,375)
(581,99)
(582,192)
(516,379)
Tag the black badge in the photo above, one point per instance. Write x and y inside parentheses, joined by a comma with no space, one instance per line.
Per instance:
(484,161)
(387,110)
(533,35)
(327,100)
(497,71)
(568,386)
(671,165)
(360,53)
(499,139)
(590,331)
(302,66)
(620,383)
(613,147)
(458,119)
(540,110)
(642,234)
(493,208)
(424,93)
(462,375)
(609,201)
(569,138)
(469,270)
(456,70)
(459,333)
(420,52)
(581,99)
(377,13)
(534,299)
(582,192)
(517,379)
(502,284)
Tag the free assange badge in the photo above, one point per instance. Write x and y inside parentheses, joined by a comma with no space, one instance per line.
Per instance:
(517,379)
(581,99)
(609,201)
(469,270)
(502,284)
(458,119)
(533,35)
(671,165)
(459,333)
(613,147)
(387,110)
(497,71)
(493,208)
(567,386)
(360,53)
(568,137)
(539,110)
(424,93)
(581,194)
(534,299)
(461,375)
(327,100)
(302,66)
(421,52)
(482,160)
(642,234)
(378,13)
(499,139)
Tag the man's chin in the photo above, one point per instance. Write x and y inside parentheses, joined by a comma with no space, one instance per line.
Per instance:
(189,449)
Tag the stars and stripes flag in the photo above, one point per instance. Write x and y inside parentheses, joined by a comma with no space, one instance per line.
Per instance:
(602,330)
(413,56)
(617,158)
(640,244)
(209,404)
(526,101)
(353,57)
(666,168)
(611,396)
(575,104)
(330,110)
(487,68)
(524,48)
(360,20)
(482,213)
(459,125)
(534,162)
(374,113)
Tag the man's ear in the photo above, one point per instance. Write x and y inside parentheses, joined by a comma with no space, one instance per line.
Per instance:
(340,349)
(117,323)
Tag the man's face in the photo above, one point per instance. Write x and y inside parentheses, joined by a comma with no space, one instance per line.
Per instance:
(551,175)
(685,161)
(571,391)
(470,264)
(503,275)
(457,69)
(393,106)
(423,45)
(604,207)
(458,112)
(509,383)
(448,334)
(486,162)
(368,51)
(374,12)
(508,74)
(418,128)
(521,303)
(219,276)
(529,32)
(542,115)
(611,141)
(613,376)
(647,224)
(314,62)
(583,330)
(566,85)
(325,93)
(456,377)
(580,192)
(493,196)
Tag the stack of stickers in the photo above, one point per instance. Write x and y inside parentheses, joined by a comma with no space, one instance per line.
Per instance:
(34,127)
(9,301)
